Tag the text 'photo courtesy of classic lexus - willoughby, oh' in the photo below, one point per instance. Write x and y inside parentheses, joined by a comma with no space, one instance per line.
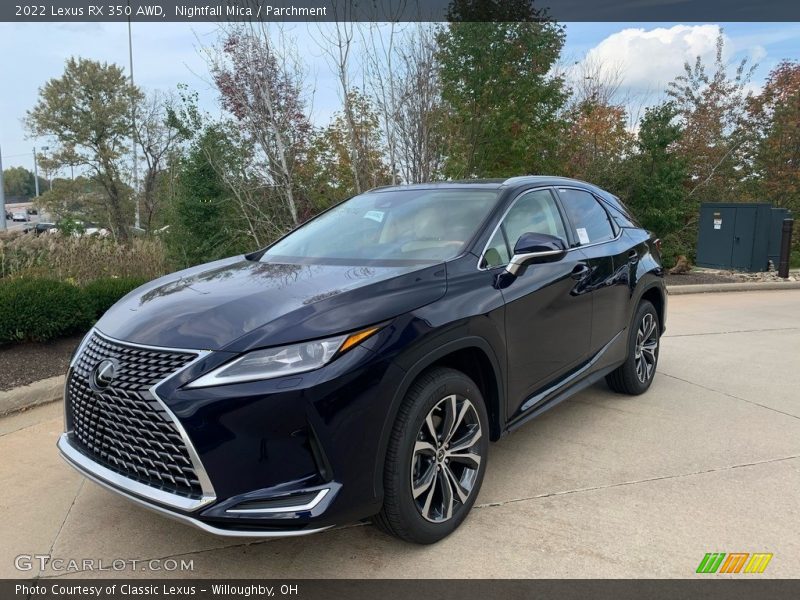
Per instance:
(359,367)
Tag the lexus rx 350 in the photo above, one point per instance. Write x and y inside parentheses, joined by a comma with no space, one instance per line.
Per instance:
(360,366)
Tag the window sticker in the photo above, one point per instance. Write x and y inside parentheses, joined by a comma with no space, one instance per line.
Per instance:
(375,215)
(583,237)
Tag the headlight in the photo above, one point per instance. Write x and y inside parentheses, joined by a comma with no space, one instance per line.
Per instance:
(285,360)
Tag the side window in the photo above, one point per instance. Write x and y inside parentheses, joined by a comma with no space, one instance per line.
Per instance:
(533,212)
(588,217)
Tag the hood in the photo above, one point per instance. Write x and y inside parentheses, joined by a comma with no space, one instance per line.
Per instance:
(238,304)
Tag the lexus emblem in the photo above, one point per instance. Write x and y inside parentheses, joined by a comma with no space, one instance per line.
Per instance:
(104,374)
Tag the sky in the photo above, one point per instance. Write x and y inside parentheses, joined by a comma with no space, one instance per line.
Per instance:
(166,54)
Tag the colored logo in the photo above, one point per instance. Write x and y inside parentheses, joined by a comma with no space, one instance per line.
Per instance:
(734,562)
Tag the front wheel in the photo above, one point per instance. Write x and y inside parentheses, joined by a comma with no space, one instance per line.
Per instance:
(436,457)
(635,375)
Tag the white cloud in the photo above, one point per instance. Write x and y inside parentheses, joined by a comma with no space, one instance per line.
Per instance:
(649,59)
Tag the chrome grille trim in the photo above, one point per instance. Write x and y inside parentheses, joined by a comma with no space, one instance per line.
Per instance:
(119,480)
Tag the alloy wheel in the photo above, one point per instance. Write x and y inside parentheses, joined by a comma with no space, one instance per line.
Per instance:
(446,458)
(646,352)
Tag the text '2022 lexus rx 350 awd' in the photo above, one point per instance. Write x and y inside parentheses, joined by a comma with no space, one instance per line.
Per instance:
(360,366)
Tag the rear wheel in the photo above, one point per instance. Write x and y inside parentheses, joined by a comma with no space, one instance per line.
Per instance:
(635,375)
(436,457)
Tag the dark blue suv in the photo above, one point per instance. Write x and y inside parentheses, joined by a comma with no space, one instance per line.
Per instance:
(359,366)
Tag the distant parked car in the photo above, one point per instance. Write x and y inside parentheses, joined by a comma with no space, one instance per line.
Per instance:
(41,228)
(20,216)
(33,211)
(9,216)
(94,229)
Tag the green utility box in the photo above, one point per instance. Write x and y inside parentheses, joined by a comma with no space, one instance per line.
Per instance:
(741,237)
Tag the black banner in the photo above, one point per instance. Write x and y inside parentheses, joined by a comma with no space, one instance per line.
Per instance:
(398,10)
(439,589)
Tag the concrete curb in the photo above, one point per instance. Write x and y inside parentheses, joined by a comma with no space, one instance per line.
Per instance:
(704,288)
(27,396)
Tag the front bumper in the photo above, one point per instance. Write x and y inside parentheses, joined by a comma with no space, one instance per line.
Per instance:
(118,484)
(282,457)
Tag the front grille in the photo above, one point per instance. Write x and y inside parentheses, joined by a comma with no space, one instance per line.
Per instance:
(123,427)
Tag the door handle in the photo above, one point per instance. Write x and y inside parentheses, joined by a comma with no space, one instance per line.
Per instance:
(580,271)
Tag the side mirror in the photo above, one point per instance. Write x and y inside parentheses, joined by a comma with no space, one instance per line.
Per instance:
(536,248)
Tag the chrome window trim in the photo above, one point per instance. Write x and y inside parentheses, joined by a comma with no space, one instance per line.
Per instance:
(514,201)
(282,509)
(135,487)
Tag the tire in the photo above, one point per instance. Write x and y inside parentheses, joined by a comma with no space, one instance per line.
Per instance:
(636,374)
(434,463)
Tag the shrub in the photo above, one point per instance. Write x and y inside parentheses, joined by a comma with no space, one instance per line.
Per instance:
(41,310)
(794,259)
(101,294)
(80,259)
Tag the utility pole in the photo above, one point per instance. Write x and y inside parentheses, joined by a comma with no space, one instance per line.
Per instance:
(35,172)
(2,196)
(133,127)
(47,175)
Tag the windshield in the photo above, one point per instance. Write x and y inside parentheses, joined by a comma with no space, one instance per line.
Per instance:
(417,225)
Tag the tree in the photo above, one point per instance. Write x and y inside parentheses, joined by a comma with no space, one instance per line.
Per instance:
(204,222)
(656,172)
(712,107)
(380,65)
(776,153)
(261,83)
(157,133)
(338,48)
(18,181)
(329,165)
(418,114)
(402,77)
(87,114)
(596,142)
(80,199)
(502,102)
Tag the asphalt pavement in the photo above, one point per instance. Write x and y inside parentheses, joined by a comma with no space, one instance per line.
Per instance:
(20,225)
(604,485)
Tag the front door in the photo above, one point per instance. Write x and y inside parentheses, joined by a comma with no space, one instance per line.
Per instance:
(548,317)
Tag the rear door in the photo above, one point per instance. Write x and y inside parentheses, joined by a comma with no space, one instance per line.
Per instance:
(548,319)
(609,256)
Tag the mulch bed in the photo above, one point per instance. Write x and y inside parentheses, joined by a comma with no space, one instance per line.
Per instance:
(21,364)
(698,277)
